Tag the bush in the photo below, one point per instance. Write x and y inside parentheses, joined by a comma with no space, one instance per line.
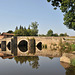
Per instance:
(73,62)
(73,47)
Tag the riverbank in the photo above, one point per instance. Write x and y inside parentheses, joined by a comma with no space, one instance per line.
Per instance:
(68,58)
(5,56)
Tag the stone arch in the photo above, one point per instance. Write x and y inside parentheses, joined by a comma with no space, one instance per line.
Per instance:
(8,45)
(23,45)
(39,45)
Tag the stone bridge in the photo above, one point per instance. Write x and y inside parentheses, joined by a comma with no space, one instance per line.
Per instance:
(24,46)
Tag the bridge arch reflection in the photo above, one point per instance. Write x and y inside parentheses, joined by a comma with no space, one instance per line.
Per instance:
(8,45)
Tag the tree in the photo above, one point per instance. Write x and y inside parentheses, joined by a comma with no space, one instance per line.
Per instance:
(55,34)
(63,34)
(50,33)
(33,61)
(29,27)
(16,28)
(21,27)
(24,28)
(28,32)
(66,34)
(22,31)
(41,35)
(68,8)
(10,31)
(34,30)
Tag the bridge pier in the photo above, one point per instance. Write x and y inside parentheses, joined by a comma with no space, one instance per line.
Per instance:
(13,46)
(31,46)
(3,45)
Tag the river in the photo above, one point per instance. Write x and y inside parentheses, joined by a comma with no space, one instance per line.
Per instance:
(36,65)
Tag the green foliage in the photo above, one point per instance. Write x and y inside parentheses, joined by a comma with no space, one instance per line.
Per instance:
(70,70)
(55,34)
(73,47)
(63,34)
(41,35)
(73,62)
(10,31)
(34,30)
(33,61)
(22,31)
(16,28)
(68,8)
(66,47)
(48,0)
(51,58)
(50,33)
(66,34)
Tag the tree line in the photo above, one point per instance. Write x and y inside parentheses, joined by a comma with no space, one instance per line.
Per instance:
(32,30)
(50,33)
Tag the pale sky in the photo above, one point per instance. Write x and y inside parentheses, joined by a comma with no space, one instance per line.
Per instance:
(22,12)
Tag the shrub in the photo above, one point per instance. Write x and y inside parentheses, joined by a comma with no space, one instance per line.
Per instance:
(73,47)
(73,62)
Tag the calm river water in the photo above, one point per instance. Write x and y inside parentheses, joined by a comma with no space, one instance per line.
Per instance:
(33,66)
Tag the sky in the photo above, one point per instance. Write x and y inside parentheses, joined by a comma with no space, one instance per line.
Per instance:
(22,12)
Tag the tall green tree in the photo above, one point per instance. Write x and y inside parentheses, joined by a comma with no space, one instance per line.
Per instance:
(21,27)
(34,30)
(50,33)
(16,28)
(68,8)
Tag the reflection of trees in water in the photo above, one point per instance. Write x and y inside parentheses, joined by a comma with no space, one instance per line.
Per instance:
(51,58)
(70,70)
(33,61)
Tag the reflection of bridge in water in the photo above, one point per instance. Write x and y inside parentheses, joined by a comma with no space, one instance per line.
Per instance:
(28,46)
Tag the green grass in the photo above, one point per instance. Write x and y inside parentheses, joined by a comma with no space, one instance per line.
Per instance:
(73,47)
(73,62)
(67,47)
